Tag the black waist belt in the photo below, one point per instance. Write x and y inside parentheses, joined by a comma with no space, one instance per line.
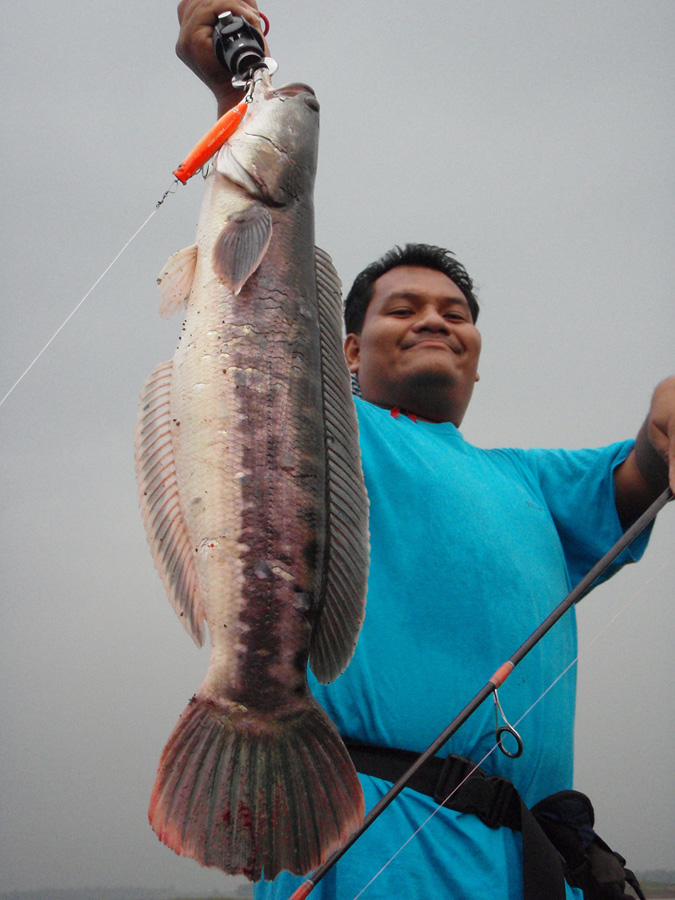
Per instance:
(494,800)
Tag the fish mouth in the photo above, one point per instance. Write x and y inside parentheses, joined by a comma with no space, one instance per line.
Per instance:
(285,92)
(292,90)
(295,90)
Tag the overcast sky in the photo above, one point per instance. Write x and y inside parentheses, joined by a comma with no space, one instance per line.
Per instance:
(534,138)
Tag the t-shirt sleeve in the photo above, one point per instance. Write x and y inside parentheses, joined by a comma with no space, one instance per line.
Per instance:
(578,489)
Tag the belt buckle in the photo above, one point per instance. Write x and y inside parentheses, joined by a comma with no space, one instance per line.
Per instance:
(487,797)
(455,770)
(494,816)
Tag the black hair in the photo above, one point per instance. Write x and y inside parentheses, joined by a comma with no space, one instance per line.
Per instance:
(425,255)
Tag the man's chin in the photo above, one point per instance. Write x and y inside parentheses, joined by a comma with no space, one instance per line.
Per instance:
(428,379)
(417,390)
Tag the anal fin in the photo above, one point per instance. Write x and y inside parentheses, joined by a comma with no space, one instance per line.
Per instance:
(160,503)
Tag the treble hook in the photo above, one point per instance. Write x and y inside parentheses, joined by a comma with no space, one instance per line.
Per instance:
(506,728)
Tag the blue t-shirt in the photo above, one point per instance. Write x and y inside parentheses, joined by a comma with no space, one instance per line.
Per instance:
(470,551)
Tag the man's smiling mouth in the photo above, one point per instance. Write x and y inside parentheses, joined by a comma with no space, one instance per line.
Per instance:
(433,342)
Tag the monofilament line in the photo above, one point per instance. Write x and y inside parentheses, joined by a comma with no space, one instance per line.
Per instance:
(65,322)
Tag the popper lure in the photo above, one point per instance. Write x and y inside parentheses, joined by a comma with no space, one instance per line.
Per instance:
(212,141)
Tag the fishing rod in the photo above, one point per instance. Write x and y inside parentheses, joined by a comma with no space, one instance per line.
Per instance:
(494,682)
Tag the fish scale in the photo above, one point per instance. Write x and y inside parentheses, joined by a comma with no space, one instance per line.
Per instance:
(252,494)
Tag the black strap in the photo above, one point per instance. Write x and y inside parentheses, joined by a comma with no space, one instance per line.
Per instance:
(457,783)
(493,799)
(543,874)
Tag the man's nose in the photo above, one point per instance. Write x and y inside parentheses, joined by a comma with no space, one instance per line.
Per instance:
(430,319)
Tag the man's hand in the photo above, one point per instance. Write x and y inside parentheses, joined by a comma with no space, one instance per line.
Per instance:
(197,19)
(651,464)
(660,426)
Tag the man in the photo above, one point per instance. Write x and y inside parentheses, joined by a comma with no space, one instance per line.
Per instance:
(470,550)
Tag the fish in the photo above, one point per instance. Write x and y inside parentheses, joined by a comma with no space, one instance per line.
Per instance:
(252,494)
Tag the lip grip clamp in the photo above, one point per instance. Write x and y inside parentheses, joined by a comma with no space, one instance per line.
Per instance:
(239,47)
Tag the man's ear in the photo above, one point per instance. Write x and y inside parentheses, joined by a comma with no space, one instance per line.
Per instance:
(353,352)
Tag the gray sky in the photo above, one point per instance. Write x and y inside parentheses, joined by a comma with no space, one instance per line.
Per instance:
(533,138)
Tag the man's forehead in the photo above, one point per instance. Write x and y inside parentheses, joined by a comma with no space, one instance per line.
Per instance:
(416,281)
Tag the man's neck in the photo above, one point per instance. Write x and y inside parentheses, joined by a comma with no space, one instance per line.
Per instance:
(425,412)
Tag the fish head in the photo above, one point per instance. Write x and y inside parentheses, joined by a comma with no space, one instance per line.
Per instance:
(273,153)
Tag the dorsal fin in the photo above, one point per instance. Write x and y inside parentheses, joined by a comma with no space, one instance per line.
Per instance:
(335,635)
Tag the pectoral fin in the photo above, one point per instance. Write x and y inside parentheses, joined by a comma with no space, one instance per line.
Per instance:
(175,281)
(241,245)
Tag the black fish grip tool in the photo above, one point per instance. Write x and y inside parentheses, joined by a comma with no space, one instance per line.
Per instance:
(240,48)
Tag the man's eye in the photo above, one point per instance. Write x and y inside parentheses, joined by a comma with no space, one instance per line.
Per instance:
(400,311)
(457,317)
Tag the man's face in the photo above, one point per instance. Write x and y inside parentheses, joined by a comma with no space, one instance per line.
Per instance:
(419,347)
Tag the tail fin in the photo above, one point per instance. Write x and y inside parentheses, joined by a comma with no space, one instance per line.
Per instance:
(248,799)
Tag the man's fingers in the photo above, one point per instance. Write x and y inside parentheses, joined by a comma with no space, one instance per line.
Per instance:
(193,14)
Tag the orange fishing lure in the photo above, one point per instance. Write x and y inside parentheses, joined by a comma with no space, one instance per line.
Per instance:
(212,141)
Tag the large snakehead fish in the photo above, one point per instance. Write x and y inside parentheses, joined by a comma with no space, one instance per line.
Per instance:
(253,499)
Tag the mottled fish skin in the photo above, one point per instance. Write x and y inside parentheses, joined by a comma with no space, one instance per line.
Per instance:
(241,509)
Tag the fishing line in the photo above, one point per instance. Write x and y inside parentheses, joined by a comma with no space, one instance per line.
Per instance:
(100,278)
(194,162)
(234,52)
(562,674)
(241,49)
(425,822)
